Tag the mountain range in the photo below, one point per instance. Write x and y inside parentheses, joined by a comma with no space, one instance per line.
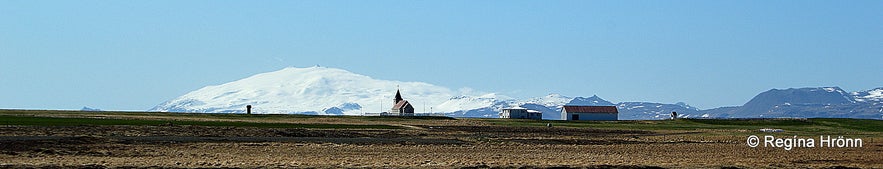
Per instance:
(331,91)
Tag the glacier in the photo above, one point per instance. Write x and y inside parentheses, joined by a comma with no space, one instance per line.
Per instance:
(331,91)
(312,90)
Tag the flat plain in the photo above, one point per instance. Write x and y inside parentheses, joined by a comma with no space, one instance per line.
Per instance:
(76,139)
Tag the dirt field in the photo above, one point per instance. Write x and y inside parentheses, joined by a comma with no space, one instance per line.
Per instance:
(444,143)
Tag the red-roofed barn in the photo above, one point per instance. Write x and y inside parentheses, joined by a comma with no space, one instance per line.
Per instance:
(589,113)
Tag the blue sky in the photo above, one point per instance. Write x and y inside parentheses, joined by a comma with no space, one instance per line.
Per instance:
(133,55)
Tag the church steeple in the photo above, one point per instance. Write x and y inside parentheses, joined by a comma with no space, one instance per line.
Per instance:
(398,97)
(400,106)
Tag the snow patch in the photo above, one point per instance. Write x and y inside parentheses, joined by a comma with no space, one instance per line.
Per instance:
(874,94)
(829,89)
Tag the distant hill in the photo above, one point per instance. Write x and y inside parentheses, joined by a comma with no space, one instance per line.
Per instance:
(812,102)
(89,109)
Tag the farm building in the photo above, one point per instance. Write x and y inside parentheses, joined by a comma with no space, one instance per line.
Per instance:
(401,107)
(520,113)
(589,113)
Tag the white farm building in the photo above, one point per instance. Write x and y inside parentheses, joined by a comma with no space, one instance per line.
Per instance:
(520,113)
(589,113)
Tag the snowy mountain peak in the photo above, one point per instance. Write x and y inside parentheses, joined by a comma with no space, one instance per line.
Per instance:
(466,103)
(331,91)
(590,101)
(776,98)
(312,90)
(869,95)
(554,95)
(550,100)
(685,105)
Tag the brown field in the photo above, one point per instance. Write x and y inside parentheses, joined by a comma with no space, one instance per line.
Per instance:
(415,143)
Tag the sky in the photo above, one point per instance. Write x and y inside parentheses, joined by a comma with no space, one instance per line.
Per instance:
(133,55)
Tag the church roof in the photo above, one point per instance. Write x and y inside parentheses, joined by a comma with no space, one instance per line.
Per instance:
(401,104)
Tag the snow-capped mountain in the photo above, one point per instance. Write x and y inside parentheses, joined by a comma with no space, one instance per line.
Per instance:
(330,91)
(553,99)
(873,95)
(646,110)
(810,102)
(590,101)
(474,106)
(313,90)
(776,103)
(551,104)
(869,101)
(763,103)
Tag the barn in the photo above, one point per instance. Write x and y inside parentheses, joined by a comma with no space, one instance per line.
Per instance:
(589,113)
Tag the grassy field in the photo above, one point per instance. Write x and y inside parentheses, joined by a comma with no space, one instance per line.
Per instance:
(812,125)
(49,117)
(76,139)
(66,121)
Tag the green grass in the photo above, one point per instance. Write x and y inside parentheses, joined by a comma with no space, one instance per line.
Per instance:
(813,125)
(855,124)
(57,121)
(795,126)
(158,114)
(220,115)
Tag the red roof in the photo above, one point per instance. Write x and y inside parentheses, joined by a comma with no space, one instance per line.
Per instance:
(590,109)
(401,104)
